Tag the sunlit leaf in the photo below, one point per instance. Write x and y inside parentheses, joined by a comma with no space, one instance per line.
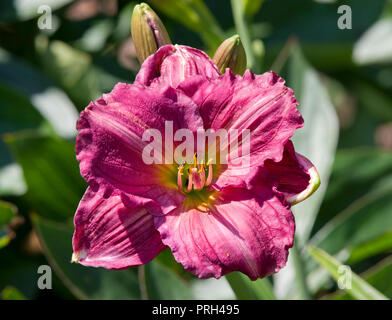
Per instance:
(379,276)
(360,289)
(94,39)
(212,289)
(11,293)
(122,29)
(7,213)
(71,68)
(16,113)
(375,46)
(251,6)
(317,141)
(246,289)
(51,102)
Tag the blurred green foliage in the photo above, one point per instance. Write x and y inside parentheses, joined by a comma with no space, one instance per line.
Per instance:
(342,80)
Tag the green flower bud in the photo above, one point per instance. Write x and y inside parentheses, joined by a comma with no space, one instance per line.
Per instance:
(148,31)
(231,54)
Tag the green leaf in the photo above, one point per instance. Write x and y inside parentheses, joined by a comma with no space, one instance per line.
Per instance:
(196,16)
(371,248)
(51,171)
(376,100)
(375,45)
(94,38)
(83,282)
(364,220)
(317,140)
(246,289)
(122,29)
(238,10)
(71,68)
(360,289)
(164,284)
(20,270)
(11,177)
(52,103)
(251,6)
(11,293)
(16,113)
(379,276)
(315,26)
(7,212)
(359,168)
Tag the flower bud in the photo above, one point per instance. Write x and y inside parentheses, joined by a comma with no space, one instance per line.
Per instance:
(148,31)
(231,54)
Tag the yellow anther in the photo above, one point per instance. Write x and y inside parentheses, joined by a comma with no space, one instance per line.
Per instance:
(197,177)
(195,160)
(181,168)
(204,207)
(212,197)
(201,166)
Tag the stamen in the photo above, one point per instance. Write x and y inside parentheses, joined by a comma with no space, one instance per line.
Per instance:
(209,177)
(201,168)
(196,175)
(195,160)
(190,182)
(179,176)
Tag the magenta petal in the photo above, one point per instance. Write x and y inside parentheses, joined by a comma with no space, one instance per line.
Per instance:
(109,235)
(292,177)
(171,65)
(246,233)
(109,145)
(260,103)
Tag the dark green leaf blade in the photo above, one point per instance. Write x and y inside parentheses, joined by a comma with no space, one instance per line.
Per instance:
(83,282)
(51,171)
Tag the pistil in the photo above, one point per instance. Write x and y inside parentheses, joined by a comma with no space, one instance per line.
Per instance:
(196,176)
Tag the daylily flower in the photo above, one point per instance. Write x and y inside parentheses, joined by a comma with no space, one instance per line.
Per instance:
(214,219)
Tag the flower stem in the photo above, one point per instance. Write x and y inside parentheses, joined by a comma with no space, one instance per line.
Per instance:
(284,54)
(141,274)
(245,289)
(242,29)
(300,275)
